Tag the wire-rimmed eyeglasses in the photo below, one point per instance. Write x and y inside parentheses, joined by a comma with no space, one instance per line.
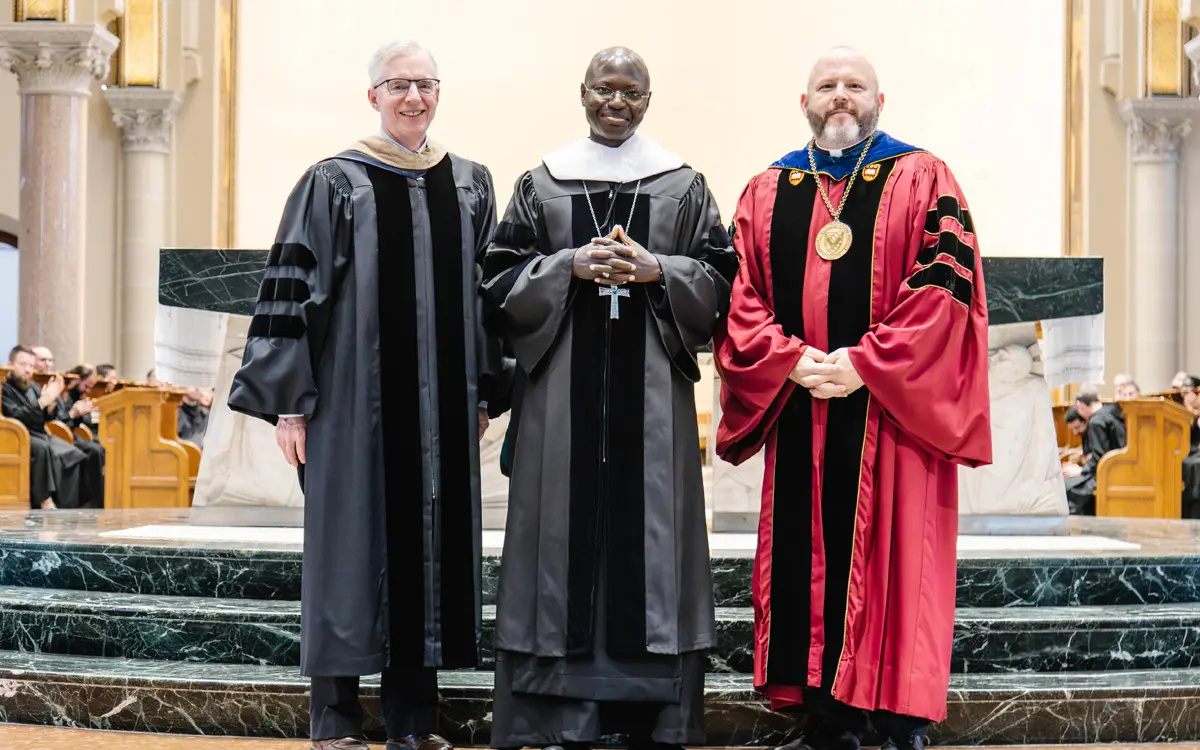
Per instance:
(630,95)
(401,86)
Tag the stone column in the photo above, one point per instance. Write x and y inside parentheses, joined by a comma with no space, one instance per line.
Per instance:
(56,64)
(1157,128)
(145,115)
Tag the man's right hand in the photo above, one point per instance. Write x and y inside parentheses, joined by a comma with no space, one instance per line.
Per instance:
(812,365)
(290,434)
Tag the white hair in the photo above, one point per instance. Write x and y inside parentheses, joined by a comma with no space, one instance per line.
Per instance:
(396,49)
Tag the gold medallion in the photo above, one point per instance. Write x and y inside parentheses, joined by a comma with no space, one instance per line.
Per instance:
(833,241)
(795,177)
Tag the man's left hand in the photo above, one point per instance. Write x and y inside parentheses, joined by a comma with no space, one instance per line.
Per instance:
(483,422)
(637,264)
(844,375)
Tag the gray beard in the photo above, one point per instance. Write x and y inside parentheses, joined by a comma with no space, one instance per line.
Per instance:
(844,136)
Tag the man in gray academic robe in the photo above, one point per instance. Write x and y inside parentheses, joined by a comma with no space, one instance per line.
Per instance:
(366,347)
(608,274)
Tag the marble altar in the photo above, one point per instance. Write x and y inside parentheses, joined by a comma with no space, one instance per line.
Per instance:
(206,297)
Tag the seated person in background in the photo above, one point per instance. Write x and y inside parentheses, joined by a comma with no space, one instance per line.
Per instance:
(1103,430)
(55,466)
(1191,464)
(75,409)
(107,372)
(193,415)
(1177,381)
(1126,388)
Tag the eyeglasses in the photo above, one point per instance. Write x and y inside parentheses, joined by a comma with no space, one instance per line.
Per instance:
(607,94)
(401,86)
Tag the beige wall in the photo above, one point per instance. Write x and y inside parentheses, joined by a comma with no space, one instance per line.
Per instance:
(980,84)
(1191,252)
(10,148)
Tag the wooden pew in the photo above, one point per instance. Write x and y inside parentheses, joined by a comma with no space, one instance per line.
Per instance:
(1145,478)
(14,465)
(144,470)
(193,453)
(84,433)
(57,429)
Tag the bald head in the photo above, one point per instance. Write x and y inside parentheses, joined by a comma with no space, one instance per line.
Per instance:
(844,56)
(619,59)
(843,101)
(43,358)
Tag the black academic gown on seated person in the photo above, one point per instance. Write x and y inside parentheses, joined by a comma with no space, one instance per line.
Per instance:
(368,323)
(92,475)
(55,466)
(605,603)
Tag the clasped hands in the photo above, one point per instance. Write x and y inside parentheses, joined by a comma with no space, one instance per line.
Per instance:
(615,259)
(826,375)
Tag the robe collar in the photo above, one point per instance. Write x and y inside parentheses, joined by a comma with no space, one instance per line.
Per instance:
(635,159)
(838,167)
(385,151)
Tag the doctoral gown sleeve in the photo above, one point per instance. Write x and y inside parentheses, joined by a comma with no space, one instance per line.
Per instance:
(926,362)
(529,290)
(488,344)
(693,295)
(754,355)
(292,314)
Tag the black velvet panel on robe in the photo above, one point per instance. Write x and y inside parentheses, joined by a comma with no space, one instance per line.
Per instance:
(607,505)
(404,478)
(850,286)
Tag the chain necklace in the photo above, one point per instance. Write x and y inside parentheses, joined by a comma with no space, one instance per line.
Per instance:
(833,241)
(600,232)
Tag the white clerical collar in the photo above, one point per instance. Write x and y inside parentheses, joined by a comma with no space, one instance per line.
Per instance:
(635,159)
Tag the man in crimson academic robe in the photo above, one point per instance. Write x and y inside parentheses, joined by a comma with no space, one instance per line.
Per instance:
(856,352)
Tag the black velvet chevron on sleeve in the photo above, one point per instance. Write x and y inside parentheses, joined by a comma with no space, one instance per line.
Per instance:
(948,207)
(941,274)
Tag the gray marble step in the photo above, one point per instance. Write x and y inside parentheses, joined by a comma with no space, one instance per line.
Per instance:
(242,631)
(258,701)
(1096,579)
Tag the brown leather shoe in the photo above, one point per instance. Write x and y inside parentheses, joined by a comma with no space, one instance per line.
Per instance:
(420,742)
(345,743)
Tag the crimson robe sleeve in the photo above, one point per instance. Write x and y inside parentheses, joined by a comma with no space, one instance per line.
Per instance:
(753,354)
(926,362)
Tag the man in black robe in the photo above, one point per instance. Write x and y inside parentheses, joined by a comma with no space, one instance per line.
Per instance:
(193,416)
(609,273)
(55,466)
(73,408)
(366,350)
(1103,429)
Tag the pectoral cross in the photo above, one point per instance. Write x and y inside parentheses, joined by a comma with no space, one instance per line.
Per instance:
(614,293)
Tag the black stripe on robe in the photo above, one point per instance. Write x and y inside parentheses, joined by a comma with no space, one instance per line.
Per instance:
(791,604)
(850,287)
(400,413)
(607,506)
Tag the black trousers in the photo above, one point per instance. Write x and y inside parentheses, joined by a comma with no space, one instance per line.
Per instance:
(408,697)
(833,724)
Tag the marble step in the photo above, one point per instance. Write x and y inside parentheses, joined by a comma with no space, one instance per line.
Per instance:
(240,631)
(265,701)
(991,581)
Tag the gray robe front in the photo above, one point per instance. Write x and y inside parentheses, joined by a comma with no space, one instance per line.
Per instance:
(605,590)
(368,322)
